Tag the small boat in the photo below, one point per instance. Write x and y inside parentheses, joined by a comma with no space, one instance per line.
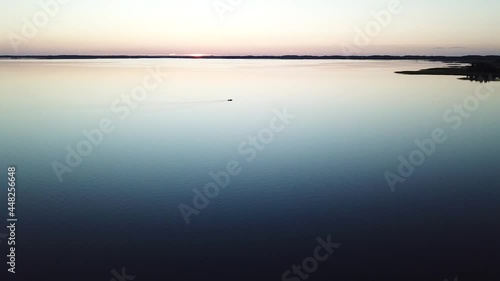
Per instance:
(230,100)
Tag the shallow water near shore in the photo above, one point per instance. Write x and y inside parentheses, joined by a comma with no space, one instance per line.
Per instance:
(321,175)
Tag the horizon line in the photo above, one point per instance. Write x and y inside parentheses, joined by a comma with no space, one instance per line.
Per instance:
(282,57)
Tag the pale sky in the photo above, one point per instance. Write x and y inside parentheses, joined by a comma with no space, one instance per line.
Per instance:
(257,27)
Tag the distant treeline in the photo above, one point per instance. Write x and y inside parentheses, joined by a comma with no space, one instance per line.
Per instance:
(458,59)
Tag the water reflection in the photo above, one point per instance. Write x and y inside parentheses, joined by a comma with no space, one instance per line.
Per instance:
(323,175)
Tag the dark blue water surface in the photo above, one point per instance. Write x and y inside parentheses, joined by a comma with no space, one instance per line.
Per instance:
(321,175)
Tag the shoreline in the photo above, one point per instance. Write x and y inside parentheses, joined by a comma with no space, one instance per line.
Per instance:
(448,59)
(488,72)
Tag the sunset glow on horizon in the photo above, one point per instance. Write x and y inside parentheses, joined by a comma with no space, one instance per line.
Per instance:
(272,27)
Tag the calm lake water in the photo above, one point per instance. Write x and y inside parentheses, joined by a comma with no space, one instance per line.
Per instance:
(321,174)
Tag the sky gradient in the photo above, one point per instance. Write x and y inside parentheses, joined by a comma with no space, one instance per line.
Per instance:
(257,27)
